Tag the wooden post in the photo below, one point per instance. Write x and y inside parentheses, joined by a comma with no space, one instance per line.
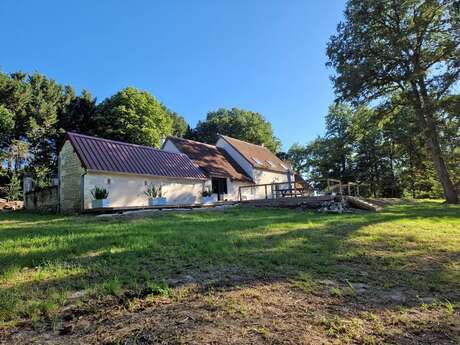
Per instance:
(357,190)
(349,188)
(239,192)
(266,195)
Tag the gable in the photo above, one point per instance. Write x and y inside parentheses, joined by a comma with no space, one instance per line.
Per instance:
(257,156)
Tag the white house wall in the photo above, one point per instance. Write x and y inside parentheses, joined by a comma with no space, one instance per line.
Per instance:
(170,147)
(128,190)
(239,159)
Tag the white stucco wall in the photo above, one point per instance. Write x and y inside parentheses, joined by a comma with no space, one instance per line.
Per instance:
(128,190)
(242,162)
(170,147)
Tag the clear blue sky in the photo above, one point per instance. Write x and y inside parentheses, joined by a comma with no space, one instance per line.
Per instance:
(195,56)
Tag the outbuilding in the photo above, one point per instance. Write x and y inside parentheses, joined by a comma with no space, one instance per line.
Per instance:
(125,171)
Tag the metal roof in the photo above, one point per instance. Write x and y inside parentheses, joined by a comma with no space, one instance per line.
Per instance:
(213,160)
(105,155)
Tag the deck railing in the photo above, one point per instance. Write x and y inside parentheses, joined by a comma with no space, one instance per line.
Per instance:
(297,189)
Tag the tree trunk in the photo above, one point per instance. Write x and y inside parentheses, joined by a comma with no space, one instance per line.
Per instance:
(439,164)
(425,114)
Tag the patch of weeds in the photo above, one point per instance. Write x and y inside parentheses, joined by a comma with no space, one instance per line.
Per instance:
(234,307)
(305,282)
(449,307)
(36,311)
(8,306)
(337,327)
(112,287)
(335,291)
(369,340)
(159,288)
(264,332)
(9,273)
(334,326)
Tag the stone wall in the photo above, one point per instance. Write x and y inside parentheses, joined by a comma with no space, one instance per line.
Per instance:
(44,200)
(70,176)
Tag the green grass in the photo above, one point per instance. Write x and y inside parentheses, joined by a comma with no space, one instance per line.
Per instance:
(46,259)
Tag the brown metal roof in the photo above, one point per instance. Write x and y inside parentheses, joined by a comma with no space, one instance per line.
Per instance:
(105,155)
(258,156)
(213,160)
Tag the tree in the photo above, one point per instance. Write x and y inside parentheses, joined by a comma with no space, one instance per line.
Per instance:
(14,188)
(133,116)
(408,46)
(338,124)
(47,100)
(237,123)
(6,123)
(180,127)
(78,115)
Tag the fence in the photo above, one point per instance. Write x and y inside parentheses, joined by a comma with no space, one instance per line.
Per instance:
(298,189)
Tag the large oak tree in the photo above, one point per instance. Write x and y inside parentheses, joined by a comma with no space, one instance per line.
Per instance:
(410,46)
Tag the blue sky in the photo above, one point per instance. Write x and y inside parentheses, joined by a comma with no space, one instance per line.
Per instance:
(195,56)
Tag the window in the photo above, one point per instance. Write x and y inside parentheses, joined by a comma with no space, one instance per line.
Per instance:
(257,160)
(270,162)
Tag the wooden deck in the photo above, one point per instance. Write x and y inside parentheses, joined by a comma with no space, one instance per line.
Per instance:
(163,207)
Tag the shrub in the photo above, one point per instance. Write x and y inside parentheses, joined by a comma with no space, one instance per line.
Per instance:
(100,193)
(206,192)
(153,191)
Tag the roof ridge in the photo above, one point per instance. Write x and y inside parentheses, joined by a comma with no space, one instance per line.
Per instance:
(121,142)
(246,142)
(193,141)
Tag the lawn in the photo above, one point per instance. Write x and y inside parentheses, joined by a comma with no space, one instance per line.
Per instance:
(237,276)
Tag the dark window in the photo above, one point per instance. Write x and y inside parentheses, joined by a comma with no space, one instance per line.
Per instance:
(219,186)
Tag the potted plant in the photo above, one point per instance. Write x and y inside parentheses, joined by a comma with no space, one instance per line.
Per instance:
(100,195)
(208,197)
(155,195)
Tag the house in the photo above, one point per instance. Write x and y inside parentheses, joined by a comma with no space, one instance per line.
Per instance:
(230,170)
(233,163)
(125,171)
(224,175)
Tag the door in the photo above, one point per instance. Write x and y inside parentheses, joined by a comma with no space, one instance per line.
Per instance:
(219,187)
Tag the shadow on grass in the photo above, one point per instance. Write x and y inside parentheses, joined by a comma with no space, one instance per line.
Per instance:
(233,248)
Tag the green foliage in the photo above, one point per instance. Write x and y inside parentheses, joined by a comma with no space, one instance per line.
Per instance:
(237,123)
(159,288)
(409,47)
(42,177)
(99,193)
(381,148)
(180,127)
(133,116)
(154,191)
(14,188)
(206,193)
(6,122)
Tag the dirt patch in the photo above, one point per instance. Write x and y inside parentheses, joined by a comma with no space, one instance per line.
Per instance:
(267,313)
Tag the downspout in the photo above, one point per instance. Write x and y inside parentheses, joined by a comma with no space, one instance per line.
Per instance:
(82,191)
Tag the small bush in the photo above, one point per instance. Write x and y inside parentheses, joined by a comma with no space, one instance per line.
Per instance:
(100,193)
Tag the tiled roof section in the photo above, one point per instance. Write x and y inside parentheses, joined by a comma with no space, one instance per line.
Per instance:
(213,160)
(258,156)
(99,154)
